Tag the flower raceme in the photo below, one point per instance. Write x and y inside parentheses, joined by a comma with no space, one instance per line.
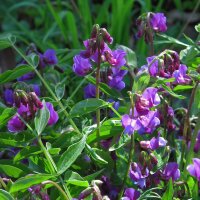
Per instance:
(143,119)
(28,105)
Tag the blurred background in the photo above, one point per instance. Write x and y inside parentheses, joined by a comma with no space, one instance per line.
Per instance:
(64,24)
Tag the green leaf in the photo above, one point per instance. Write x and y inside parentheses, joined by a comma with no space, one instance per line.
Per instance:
(197,27)
(33,59)
(11,75)
(141,82)
(131,59)
(93,176)
(87,106)
(187,55)
(10,140)
(168,195)
(60,90)
(74,178)
(4,195)
(108,129)
(182,88)
(4,41)
(104,88)
(13,170)
(6,115)
(70,155)
(41,119)
(28,181)
(169,90)
(95,156)
(124,139)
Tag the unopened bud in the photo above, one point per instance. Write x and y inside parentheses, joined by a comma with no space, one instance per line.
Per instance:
(35,100)
(85,193)
(109,58)
(153,159)
(17,99)
(24,98)
(95,31)
(106,36)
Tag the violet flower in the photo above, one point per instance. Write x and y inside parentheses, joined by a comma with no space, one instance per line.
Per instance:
(131,194)
(8,96)
(81,65)
(181,76)
(53,114)
(26,77)
(171,171)
(138,174)
(36,89)
(50,57)
(90,91)
(15,124)
(158,22)
(194,169)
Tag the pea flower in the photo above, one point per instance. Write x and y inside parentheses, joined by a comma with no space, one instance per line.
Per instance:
(53,114)
(15,124)
(171,171)
(8,96)
(81,65)
(36,89)
(181,76)
(49,57)
(131,194)
(194,169)
(138,174)
(158,22)
(90,91)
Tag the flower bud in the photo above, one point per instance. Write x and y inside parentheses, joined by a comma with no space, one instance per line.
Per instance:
(95,31)
(106,36)
(24,98)
(153,159)
(17,99)
(35,100)
(85,193)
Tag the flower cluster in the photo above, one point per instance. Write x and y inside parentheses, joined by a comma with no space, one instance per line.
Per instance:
(167,66)
(28,105)
(143,119)
(150,22)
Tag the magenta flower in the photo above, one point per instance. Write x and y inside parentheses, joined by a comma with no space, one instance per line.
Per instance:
(15,124)
(194,169)
(138,174)
(171,171)
(90,91)
(181,76)
(49,57)
(8,96)
(81,66)
(158,22)
(153,66)
(131,194)
(53,114)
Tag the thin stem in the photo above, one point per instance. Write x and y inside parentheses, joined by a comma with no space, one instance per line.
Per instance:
(128,167)
(150,35)
(115,111)
(3,184)
(57,186)
(187,124)
(97,91)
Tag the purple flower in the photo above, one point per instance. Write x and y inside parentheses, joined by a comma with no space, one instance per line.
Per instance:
(53,114)
(197,144)
(49,57)
(116,58)
(131,194)
(171,171)
(26,77)
(8,96)
(181,76)
(158,22)
(194,169)
(115,79)
(36,89)
(90,91)
(154,143)
(81,65)
(15,124)
(138,174)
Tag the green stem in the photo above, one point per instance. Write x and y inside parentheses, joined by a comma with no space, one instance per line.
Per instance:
(128,167)
(57,186)
(3,184)
(97,92)
(186,125)
(115,111)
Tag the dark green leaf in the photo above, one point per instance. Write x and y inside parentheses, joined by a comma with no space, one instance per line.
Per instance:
(187,55)
(168,195)
(70,155)
(4,41)
(11,75)
(6,115)
(87,106)
(41,119)
(28,181)
(197,27)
